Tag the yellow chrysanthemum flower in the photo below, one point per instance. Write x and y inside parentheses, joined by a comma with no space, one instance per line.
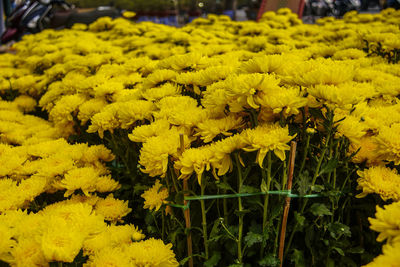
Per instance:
(174,110)
(112,209)
(367,151)
(28,252)
(194,160)
(189,61)
(128,14)
(387,223)
(65,108)
(380,180)
(112,236)
(158,77)
(327,72)
(106,184)
(155,196)
(144,132)
(389,143)
(78,215)
(210,128)
(222,150)
(267,137)
(110,257)
(344,95)
(280,99)
(152,252)
(350,126)
(60,242)
(157,93)
(131,111)
(105,120)
(6,242)
(84,179)
(390,257)
(155,152)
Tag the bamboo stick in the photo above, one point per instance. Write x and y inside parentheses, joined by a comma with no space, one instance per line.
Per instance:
(293,145)
(186,212)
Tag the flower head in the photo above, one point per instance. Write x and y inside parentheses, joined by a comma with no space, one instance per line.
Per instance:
(267,137)
(112,209)
(387,223)
(155,196)
(380,180)
(152,252)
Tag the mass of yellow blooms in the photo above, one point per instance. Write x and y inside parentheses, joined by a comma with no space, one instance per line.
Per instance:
(198,81)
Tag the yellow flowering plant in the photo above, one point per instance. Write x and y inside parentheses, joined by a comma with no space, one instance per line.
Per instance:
(119,131)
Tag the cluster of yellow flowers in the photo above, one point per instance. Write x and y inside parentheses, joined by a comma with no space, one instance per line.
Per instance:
(159,83)
(35,162)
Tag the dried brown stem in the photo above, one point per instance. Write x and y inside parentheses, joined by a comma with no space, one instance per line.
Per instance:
(293,145)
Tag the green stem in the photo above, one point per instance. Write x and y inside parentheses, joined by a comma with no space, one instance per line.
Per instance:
(266,198)
(253,118)
(284,176)
(240,205)
(305,152)
(203,215)
(173,178)
(225,203)
(163,224)
(229,233)
(120,154)
(278,227)
(330,157)
(316,174)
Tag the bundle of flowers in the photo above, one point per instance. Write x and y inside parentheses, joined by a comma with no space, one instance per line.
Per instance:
(204,115)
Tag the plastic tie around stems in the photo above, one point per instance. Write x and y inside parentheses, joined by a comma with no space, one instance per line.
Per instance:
(287,193)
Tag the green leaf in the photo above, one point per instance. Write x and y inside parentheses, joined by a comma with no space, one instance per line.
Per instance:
(263,186)
(275,211)
(317,188)
(215,229)
(348,262)
(330,263)
(241,213)
(304,182)
(225,186)
(329,167)
(179,198)
(299,218)
(319,209)
(270,261)
(298,258)
(339,250)
(309,239)
(139,188)
(253,238)
(356,250)
(182,262)
(247,189)
(337,230)
(213,260)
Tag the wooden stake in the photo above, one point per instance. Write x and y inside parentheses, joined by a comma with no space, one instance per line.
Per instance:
(293,145)
(186,212)
(261,9)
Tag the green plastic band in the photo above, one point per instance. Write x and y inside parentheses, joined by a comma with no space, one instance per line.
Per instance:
(287,193)
(184,207)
